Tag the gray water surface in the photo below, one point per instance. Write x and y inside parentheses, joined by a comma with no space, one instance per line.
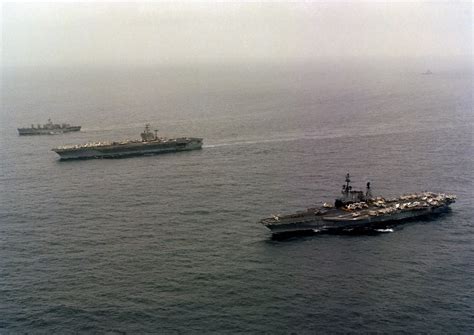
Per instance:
(170,244)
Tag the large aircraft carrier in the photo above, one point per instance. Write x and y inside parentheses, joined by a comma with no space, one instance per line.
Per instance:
(358,210)
(149,144)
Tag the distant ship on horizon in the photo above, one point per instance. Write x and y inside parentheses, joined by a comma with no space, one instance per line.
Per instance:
(48,128)
(427,72)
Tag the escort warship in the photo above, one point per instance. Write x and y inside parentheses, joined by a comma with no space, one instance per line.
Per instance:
(49,128)
(150,144)
(354,210)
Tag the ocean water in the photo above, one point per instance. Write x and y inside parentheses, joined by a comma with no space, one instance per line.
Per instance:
(170,244)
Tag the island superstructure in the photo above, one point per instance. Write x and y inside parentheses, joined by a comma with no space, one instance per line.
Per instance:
(149,144)
(49,128)
(354,209)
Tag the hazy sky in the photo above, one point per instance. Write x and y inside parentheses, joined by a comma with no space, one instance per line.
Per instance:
(58,33)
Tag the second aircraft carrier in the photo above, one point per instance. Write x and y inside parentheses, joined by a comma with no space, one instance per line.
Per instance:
(149,144)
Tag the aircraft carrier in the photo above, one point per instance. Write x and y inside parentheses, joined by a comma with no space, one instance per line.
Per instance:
(150,144)
(354,209)
(49,128)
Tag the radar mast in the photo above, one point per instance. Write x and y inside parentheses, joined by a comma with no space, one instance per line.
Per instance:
(147,135)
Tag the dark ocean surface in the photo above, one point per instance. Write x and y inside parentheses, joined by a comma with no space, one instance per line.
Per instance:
(170,244)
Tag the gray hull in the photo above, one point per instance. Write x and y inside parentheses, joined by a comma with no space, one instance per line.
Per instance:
(333,223)
(54,131)
(356,210)
(129,149)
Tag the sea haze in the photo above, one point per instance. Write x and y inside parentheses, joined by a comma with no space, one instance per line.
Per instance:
(170,243)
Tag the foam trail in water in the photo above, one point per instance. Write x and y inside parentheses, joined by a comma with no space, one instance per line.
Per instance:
(387,230)
(255,142)
(309,137)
